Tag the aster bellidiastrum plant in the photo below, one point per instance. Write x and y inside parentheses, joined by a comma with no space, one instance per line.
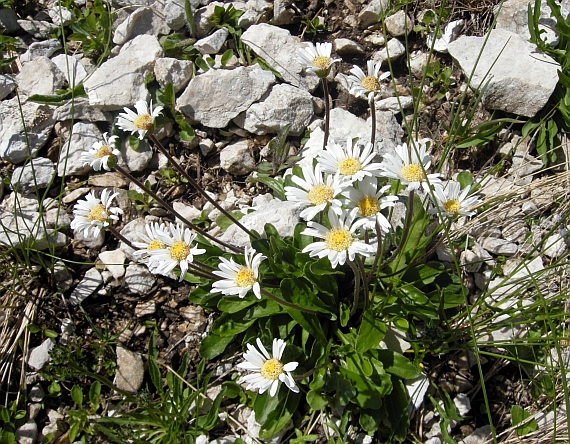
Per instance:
(358,268)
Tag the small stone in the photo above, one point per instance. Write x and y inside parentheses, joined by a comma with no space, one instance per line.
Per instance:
(114,261)
(135,161)
(375,39)
(36,394)
(138,279)
(470,261)
(108,180)
(38,28)
(34,410)
(171,70)
(196,317)
(40,76)
(369,15)
(93,241)
(347,46)
(27,433)
(236,158)
(554,246)
(73,71)
(9,21)
(187,211)
(206,146)
(450,33)
(60,15)
(34,176)
(7,83)
(45,48)
(399,24)
(499,246)
(83,136)
(145,309)
(479,436)
(86,287)
(143,21)
(393,51)
(462,403)
(130,370)
(213,43)
(39,356)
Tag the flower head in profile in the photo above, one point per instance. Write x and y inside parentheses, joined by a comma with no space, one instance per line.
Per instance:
(350,161)
(452,201)
(409,166)
(269,369)
(316,58)
(142,121)
(339,241)
(95,213)
(315,193)
(177,250)
(367,85)
(239,279)
(102,153)
(370,201)
(153,240)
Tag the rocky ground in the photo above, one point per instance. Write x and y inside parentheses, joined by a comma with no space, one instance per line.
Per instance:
(104,305)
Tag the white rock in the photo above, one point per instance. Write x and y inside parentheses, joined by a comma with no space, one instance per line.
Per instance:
(202,23)
(554,246)
(143,21)
(38,28)
(145,308)
(217,96)
(138,279)
(36,393)
(369,15)
(499,246)
(395,340)
(417,389)
(283,215)
(73,71)
(278,48)
(444,253)
(196,317)
(347,46)
(45,48)
(282,13)
(418,60)
(170,70)
(114,261)
(450,33)
(508,285)
(479,436)
(188,211)
(393,51)
(7,84)
(521,80)
(91,241)
(213,43)
(86,287)
(39,356)
(34,176)
(399,24)
(394,104)
(83,136)
(130,370)
(470,261)
(285,104)
(119,82)
(131,231)
(40,76)
(60,15)
(135,161)
(80,109)
(236,158)
(27,433)
(462,403)
(206,146)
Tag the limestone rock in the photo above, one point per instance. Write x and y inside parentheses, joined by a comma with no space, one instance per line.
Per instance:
(284,105)
(60,15)
(45,48)
(80,109)
(91,240)
(73,71)
(229,92)
(212,43)
(15,143)
(499,246)
(278,48)
(282,13)
(119,82)
(108,180)
(9,21)
(7,84)
(40,76)
(114,261)
(202,23)
(347,46)
(399,24)
(27,433)
(174,14)
(138,279)
(130,370)
(236,159)
(39,356)
(450,33)
(37,28)
(393,51)
(33,176)
(520,78)
(369,15)
(143,21)
(83,136)
(170,70)
(86,287)
(132,160)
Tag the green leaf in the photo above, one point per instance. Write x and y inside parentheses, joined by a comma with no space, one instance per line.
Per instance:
(94,394)
(341,387)
(264,404)
(201,63)
(308,322)
(267,67)
(317,401)
(231,324)
(370,419)
(224,221)
(50,334)
(396,364)
(134,142)
(77,395)
(372,330)
(278,418)
(465,178)
(298,292)
(209,421)
(275,183)
(519,416)
(233,390)
(214,345)
(32,328)
(233,304)
(397,411)
(226,56)
(169,96)
(61,98)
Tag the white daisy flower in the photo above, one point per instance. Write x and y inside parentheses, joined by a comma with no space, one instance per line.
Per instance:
(316,193)
(95,213)
(178,250)
(452,201)
(370,201)
(154,241)
(101,153)
(351,161)
(269,370)
(409,167)
(340,242)
(367,85)
(142,121)
(239,279)
(316,59)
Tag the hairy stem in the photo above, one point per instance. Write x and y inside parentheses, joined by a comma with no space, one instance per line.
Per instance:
(356,287)
(327,112)
(373,118)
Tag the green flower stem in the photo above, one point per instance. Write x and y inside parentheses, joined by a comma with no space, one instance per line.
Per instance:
(119,236)
(205,266)
(356,287)
(378,251)
(173,211)
(196,186)
(327,112)
(373,118)
(365,281)
(288,304)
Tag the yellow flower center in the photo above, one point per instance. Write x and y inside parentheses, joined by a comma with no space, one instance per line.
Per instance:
(413,173)
(245,277)
(350,166)
(321,62)
(144,122)
(102,152)
(452,206)
(371,83)
(368,206)
(155,244)
(338,239)
(97,213)
(179,251)
(320,194)
(271,369)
